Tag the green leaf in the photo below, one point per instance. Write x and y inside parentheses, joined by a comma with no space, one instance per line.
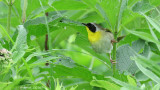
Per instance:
(33,5)
(131,81)
(148,73)
(43,60)
(154,48)
(20,45)
(3,85)
(68,5)
(155,2)
(126,85)
(152,32)
(156,87)
(144,36)
(105,84)
(103,13)
(153,22)
(123,6)
(141,77)
(36,27)
(35,54)
(124,63)
(147,63)
(112,10)
(142,6)
(15,83)
(76,71)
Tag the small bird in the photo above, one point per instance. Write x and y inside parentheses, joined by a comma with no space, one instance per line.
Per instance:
(101,39)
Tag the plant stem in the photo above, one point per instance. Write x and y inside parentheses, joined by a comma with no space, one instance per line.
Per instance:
(24,10)
(114,52)
(48,32)
(9,16)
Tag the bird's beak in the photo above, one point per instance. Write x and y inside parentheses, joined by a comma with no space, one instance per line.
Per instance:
(84,24)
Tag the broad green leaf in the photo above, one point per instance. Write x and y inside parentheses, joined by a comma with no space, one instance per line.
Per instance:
(33,5)
(128,39)
(144,36)
(153,22)
(142,6)
(124,63)
(126,85)
(35,54)
(66,61)
(91,17)
(131,81)
(154,48)
(148,73)
(36,27)
(77,71)
(20,45)
(36,12)
(131,3)
(141,77)
(44,60)
(62,34)
(68,5)
(130,19)
(103,13)
(155,2)
(147,63)
(105,84)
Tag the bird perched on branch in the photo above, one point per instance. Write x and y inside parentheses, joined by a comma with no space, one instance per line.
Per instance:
(101,39)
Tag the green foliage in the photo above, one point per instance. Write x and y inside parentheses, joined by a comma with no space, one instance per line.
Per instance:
(48,48)
(105,84)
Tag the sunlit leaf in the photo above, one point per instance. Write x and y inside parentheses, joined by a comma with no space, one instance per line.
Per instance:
(126,85)
(104,84)
(21,44)
(142,6)
(144,36)
(153,22)
(131,81)
(68,5)
(148,73)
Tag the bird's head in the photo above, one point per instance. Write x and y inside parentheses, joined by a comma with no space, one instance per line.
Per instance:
(91,26)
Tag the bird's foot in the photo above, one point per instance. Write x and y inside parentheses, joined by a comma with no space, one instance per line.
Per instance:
(113,61)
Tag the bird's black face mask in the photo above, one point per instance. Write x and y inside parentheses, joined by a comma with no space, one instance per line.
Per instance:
(90,26)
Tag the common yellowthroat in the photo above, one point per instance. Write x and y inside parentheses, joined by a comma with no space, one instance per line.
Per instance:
(101,39)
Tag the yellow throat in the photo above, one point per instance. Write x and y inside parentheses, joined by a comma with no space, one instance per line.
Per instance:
(93,36)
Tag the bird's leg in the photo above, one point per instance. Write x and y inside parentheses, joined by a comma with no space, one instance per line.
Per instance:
(112,61)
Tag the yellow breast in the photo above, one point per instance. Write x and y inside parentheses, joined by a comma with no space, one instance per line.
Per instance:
(93,37)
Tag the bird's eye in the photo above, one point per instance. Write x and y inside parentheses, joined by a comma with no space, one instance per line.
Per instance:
(91,27)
